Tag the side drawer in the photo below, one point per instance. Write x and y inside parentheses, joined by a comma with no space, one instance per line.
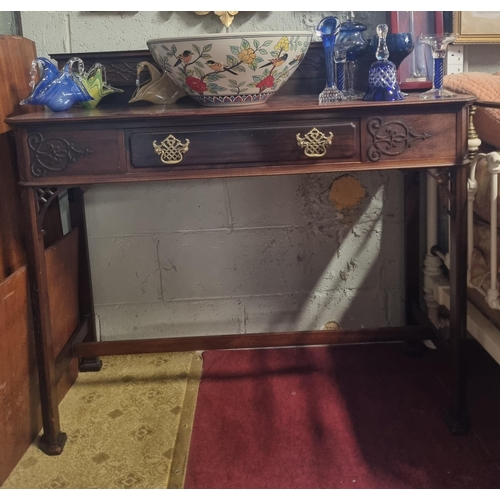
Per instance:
(233,146)
(74,153)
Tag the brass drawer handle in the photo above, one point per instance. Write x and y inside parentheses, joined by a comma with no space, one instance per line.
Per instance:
(171,150)
(314,143)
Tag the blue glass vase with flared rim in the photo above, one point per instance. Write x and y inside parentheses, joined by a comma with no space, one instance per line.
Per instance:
(328,29)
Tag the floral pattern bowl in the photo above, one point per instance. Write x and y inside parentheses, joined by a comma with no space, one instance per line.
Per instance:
(231,68)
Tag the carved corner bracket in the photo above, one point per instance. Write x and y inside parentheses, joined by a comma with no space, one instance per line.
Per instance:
(44,197)
(53,155)
(442,178)
(391,139)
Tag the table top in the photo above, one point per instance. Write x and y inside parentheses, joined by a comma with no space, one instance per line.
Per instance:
(187,107)
(286,135)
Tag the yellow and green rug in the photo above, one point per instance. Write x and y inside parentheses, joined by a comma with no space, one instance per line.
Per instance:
(128,426)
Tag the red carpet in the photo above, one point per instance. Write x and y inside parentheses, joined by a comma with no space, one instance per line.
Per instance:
(341,417)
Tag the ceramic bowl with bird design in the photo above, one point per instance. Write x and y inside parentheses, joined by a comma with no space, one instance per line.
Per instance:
(231,68)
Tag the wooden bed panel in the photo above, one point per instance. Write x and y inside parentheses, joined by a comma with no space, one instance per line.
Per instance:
(12,253)
(62,269)
(20,416)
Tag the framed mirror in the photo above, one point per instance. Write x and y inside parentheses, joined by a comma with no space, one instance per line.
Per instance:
(477,27)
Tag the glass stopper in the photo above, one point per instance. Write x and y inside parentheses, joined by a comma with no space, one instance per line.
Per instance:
(382,53)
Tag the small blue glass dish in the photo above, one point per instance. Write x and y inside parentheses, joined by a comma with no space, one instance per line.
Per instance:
(58,90)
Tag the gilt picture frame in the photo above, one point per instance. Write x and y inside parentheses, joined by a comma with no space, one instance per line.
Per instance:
(475,27)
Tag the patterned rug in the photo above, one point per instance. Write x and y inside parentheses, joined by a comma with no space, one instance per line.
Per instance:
(128,426)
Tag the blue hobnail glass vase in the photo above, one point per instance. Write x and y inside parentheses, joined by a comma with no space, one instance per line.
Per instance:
(382,78)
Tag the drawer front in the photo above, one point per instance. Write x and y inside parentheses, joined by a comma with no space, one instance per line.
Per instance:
(405,138)
(239,145)
(74,153)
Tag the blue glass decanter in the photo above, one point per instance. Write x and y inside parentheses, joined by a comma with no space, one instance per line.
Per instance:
(353,38)
(328,29)
(382,78)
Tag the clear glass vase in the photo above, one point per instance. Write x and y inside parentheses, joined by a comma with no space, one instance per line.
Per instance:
(439,45)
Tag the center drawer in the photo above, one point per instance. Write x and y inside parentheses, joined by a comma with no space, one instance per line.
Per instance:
(232,146)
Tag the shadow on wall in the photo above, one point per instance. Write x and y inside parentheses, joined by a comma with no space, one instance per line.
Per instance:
(248,255)
(342,254)
(358,282)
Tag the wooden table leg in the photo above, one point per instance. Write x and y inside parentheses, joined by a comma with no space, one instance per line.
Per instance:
(458,421)
(53,440)
(411,243)
(414,348)
(85,295)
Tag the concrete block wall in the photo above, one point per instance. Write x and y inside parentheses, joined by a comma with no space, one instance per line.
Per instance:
(233,255)
(244,255)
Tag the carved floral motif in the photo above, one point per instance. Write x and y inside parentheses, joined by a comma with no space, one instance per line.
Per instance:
(391,138)
(53,155)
